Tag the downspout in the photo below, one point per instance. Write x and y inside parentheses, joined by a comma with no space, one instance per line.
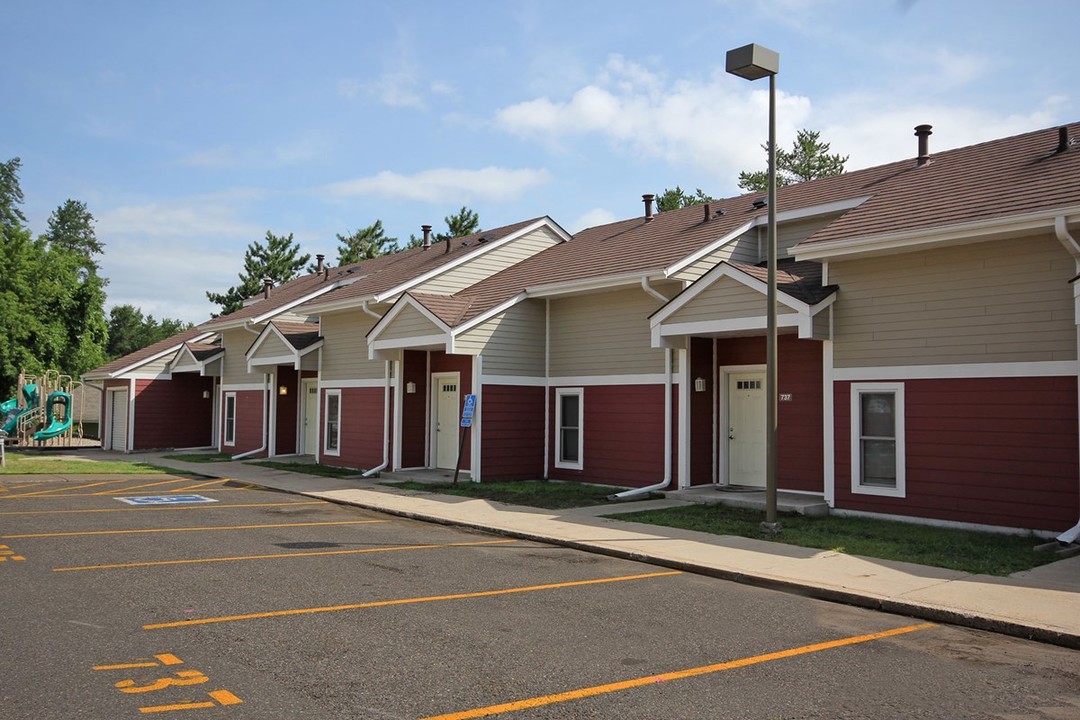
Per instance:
(647,287)
(667,438)
(1061,229)
(386,426)
(369,311)
(250,329)
(256,451)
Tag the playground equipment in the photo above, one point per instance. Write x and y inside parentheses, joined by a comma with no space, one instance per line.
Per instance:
(45,416)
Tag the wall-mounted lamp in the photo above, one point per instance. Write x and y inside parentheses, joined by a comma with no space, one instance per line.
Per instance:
(410,388)
(283,390)
(205,394)
(699,384)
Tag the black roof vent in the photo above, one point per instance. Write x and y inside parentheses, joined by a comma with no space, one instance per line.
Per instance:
(759,203)
(719,212)
(481,240)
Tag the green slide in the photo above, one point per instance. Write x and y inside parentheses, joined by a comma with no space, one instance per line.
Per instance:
(56,424)
(10,412)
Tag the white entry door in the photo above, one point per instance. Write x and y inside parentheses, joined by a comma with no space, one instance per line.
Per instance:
(311,415)
(746,429)
(118,412)
(446,419)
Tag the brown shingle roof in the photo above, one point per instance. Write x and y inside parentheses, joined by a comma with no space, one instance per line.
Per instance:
(389,271)
(144,354)
(299,335)
(801,279)
(1000,178)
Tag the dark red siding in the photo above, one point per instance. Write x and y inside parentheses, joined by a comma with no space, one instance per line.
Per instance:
(414,409)
(285,437)
(249,421)
(512,425)
(362,430)
(702,445)
(624,436)
(801,424)
(999,451)
(173,413)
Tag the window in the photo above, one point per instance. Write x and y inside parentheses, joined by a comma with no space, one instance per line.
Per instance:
(230,418)
(332,430)
(877,439)
(568,432)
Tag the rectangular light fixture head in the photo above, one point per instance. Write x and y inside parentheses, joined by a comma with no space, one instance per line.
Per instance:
(753,62)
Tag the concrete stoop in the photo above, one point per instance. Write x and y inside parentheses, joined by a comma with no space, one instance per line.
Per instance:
(752,499)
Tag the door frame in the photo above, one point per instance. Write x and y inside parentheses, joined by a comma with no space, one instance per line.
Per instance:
(435,379)
(110,412)
(306,400)
(724,407)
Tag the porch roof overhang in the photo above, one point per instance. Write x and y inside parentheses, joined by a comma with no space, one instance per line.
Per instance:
(279,344)
(671,325)
(191,358)
(134,367)
(401,329)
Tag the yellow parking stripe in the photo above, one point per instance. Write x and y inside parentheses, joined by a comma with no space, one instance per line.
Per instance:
(203,484)
(273,556)
(189,529)
(406,601)
(126,490)
(200,506)
(38,493)
(679,675)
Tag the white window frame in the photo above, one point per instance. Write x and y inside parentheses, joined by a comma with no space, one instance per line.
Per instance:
(327,450)
(228,429)
(897,391)
(560,393)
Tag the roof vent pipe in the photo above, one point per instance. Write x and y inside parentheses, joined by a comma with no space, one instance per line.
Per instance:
(427,235)
(267,284)
(708,214)
(326,274)
(923,132)
(1063,139)
(319,267)
(648,198)
(447,241)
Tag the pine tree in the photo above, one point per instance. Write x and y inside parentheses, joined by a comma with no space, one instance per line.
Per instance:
(278,259)
(808,159)
(677,198)
(367,242)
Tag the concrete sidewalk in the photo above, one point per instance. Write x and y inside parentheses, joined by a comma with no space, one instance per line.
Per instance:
(1040,604)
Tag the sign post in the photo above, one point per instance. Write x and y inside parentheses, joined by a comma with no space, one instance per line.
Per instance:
(466,422)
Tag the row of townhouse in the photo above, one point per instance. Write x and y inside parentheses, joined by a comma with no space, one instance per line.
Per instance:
(928,356)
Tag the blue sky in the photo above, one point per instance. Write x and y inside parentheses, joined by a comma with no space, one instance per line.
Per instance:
(191,128)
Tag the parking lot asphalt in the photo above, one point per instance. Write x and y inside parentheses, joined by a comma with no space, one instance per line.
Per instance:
(1041,604)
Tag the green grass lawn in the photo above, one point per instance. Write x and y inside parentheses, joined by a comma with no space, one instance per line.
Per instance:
(531,493)
(307,468)
(35,464)
(964,550)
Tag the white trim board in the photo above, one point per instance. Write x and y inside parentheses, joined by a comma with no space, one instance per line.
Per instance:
(369,383)
(1059,368)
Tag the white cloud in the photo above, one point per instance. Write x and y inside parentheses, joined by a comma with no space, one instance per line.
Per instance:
(702,123)
(206,217)
(442,185)
(592,218)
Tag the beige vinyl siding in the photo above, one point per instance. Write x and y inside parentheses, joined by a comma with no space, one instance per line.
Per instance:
(742,249)
(821,325)
(486,264)
(234,365)
(271,347)
(409,323)
(995,302)
(345,351)
(790,234)
(512,342)
(161,365)
(725,299)
(604,334)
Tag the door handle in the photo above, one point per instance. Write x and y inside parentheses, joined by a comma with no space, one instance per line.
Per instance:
(731,433)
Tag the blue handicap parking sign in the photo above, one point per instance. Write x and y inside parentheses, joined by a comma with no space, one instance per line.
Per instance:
(165,499)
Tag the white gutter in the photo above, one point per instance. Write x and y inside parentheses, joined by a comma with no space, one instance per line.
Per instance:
(249,453)
(647,287)
(667,438)
(386,426)
(369,311)
(1061,229)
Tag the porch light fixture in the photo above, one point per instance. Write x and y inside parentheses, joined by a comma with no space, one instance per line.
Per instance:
(283,390)
(699,384)
(205,394)
(753,62)
(410,388)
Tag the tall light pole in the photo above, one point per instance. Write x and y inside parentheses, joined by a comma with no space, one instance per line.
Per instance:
(753,62)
